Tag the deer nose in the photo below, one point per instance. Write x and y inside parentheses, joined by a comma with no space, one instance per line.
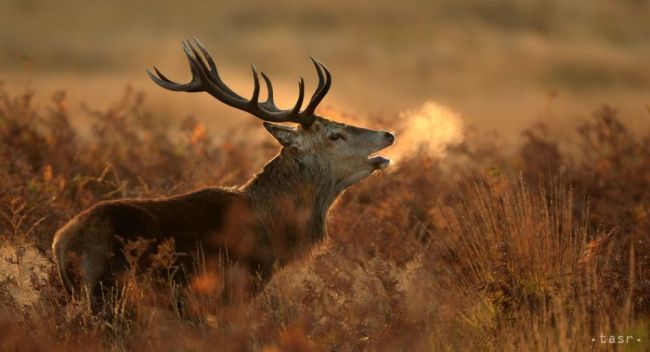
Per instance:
(389,137)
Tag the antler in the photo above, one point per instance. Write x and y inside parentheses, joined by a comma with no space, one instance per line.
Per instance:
(205,78)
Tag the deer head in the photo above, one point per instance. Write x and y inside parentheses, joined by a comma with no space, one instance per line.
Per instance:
(343,151)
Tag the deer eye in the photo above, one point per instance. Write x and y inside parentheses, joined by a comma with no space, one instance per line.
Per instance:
(335,137)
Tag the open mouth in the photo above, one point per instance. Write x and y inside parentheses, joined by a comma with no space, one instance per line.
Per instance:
(378,162)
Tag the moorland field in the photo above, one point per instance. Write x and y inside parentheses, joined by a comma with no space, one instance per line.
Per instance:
(515,215)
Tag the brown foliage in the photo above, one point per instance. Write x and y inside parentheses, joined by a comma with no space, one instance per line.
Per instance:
(540,250)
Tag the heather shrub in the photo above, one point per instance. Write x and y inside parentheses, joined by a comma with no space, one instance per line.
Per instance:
(475,248)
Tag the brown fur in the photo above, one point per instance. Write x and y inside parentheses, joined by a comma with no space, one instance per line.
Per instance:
(262,225)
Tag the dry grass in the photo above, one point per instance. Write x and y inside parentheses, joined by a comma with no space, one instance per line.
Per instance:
(479,249)
(472,241)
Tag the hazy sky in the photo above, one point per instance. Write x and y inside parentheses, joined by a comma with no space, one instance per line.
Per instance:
(498,63)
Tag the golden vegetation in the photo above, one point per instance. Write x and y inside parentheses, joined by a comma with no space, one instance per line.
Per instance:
(542,247)
(470,241)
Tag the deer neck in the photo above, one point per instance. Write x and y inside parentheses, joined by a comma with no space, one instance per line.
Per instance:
(293,196)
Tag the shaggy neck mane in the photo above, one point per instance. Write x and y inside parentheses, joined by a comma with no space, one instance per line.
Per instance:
(292,199)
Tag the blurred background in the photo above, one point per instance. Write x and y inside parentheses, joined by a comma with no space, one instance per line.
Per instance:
(499,64)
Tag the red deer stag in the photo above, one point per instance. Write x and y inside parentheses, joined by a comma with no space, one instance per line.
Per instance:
(262,225)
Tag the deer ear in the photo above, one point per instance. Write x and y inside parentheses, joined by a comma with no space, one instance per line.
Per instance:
(287,136)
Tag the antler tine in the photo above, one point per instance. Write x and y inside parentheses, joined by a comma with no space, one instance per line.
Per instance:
(197,66)
(213,73)
(256,89)
(160,79)
(187,46)
(328,80)
(269,103)
(205,77)
(322,89)
(213,66)
(321,79)
(301,96)
(160,74)
(204,83)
